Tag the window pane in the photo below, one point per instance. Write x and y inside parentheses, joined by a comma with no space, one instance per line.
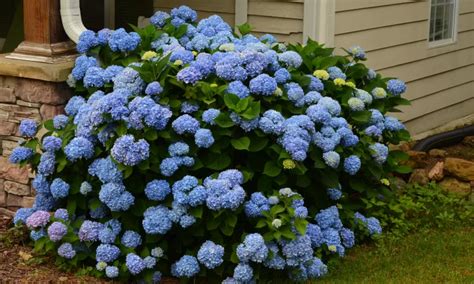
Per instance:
(442,19)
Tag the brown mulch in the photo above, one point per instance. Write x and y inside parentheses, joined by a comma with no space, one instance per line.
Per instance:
(18,264)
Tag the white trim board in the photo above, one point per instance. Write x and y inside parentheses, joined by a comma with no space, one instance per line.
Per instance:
(319,20)
(241,11)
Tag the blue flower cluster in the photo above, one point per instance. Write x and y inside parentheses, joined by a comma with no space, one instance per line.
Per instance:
(147,143)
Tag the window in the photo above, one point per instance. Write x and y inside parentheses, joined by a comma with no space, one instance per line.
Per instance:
(443,22)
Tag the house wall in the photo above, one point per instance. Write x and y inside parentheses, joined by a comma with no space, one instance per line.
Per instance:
(224,8)
(394,33)
(283,19)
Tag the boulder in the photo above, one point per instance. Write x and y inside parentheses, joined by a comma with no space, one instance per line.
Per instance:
(417,159)
(468,141)
(438,153)
(419,176)
(436,172)
(460,168)
(455,186)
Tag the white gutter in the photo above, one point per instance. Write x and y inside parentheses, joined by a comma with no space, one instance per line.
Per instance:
(71,18)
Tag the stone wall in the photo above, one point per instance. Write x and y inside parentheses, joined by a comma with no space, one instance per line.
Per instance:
(23,98)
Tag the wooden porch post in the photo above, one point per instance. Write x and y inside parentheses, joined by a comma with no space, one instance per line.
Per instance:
(45,39)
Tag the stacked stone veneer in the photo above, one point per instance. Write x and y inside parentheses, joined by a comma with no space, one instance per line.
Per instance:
(23,98)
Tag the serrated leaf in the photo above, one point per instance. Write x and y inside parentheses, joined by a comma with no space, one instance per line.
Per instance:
(271,169)
(241,143)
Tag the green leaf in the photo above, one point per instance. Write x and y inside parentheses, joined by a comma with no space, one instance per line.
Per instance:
(224,121)
(276,209)
(261,223)
(403,169)
(216,161)
(257,143)
(361,116)
(71,206)
(231,101)
(301,225)
(271,169)
(196,212)
(151,135)
(244,28)
(241,143)
(252,111)
(49,125)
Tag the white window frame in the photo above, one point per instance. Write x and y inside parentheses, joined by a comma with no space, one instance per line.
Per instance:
(448,41)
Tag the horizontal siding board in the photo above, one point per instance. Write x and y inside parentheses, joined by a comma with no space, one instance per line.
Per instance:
(346,5)
(384,37)
(276,9)
(426,86)
(440,117)
(275,25)
(430,66)
(466,22)
(356,20)
(290,38)
(466,6)
(436,101)
(401,54)
(222,6)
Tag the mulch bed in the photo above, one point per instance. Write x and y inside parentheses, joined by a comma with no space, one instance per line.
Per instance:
(17,266)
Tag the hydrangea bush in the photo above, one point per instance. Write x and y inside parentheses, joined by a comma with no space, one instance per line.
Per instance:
(193,152)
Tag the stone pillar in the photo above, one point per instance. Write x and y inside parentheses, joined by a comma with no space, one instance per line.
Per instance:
(32,85)
(45,39)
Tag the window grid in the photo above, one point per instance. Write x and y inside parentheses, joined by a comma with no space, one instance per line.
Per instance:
(443,16)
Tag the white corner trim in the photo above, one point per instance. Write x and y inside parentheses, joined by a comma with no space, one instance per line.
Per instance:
(241,11)
(319,21)
(109,14)
(71,18)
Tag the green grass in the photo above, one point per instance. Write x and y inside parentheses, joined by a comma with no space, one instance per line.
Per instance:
(431,256)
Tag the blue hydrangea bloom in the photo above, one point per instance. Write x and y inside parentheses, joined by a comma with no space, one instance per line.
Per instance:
(116,197)
(159,19)
(106,170)
(111,271)
(47,163)
(129,152)
(334,193)
(81,65)
(263,85)
(357,52)
(189,75)
(290,59)
(79,148)
(315,235)
(156,220)
(379,152)
(134,263)
(185,13)
(335,73)
(89,231)
(153,89)
(256,205)
(187,107)
(396,87)
(87,40)
(20,154)
(297,251)
(209,115)
(131,239)
(56,231)
(348,238)
(130,80)
(94,77)
(328,218)
(282,76)
(243,273)
(239,89)
(52,143)
(157,190)
(331,159)
(28,128)
(352,164)
(60,121)
(21,215)
(107,253)
(185,124)
(203,138)
(253,248)
(187,266)
(122,41)
(67,251)
(59,188)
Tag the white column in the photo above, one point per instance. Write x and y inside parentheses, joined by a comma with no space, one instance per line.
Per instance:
(319,21)
(109,14)
(241,11)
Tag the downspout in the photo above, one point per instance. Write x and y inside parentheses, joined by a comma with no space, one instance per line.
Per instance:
(71,17)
